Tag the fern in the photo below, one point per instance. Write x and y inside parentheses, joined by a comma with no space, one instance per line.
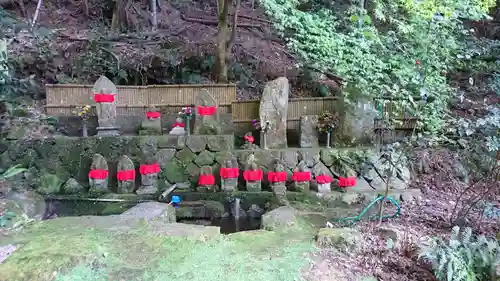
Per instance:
(462,258)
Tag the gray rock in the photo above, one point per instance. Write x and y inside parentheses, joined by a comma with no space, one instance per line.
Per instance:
(284,216)
(345,240)
(273,110)
(309,131)
(151,211)
(71,186)
(25,202)
(6,251)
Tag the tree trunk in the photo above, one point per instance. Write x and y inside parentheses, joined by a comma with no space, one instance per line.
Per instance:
(222,40)
(154,18)
(119,20)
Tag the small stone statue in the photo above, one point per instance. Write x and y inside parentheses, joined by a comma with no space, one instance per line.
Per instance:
(149,177)
(178,127)
(125,175)
(98,175)
(151,124)
(206,116)
(105,96)
(277,179)
(253,175)
(301,177)
(206,181)
(229,174)
(324,182)
(249,142)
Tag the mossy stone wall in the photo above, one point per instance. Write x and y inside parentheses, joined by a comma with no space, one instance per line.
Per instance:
(180,157)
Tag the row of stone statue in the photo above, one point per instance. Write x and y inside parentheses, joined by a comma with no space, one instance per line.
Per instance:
(229,174)
(125,176)
(206,115)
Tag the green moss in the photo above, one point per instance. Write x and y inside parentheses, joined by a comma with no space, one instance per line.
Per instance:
(52,248)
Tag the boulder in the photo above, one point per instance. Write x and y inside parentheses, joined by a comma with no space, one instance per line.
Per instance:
(22,203)
(152,211)
(72,187)
(284,216)
(345,239)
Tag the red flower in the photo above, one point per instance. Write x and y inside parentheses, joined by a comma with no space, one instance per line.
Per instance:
(417,62)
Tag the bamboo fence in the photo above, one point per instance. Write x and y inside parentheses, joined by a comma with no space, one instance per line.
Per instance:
(135,100)
(169,99)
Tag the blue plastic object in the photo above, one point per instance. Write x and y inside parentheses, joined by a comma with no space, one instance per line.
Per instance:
(176,199)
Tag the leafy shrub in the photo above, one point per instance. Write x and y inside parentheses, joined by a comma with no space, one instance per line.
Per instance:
(464,257)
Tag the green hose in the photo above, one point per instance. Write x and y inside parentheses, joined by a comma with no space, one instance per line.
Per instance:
(353,220)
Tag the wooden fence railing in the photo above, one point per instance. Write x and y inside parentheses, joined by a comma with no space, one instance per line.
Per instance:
(134,100)
(169,99)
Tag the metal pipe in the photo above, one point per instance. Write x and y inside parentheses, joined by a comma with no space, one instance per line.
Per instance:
(167,192)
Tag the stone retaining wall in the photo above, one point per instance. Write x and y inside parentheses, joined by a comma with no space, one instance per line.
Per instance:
(180,157)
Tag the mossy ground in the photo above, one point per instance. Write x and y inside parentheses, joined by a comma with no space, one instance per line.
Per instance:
(51,251)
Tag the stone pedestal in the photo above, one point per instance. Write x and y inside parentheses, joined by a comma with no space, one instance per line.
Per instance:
(108,131)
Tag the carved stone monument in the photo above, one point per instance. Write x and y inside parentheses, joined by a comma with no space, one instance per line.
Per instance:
(253,175)
(229,175)
(151,124)
(98,175)
(125,175)
(273,111)
(105,96)
(309,136)
(149,177)
(206,115)
(301,177)
(178,127)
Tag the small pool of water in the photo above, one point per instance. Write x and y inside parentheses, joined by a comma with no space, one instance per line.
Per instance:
(66,208)
(227,225)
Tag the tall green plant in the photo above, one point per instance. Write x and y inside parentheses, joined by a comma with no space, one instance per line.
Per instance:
(11,172)
(464,257)
(378,51)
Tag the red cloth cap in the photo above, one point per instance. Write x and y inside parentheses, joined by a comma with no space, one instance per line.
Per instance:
(149,169)
(347,182)
(98,174)
(178,124)
(249,139)
(125,175)
(276,176)
(322,179)
(301,176)
(229,173)
(206,110)
(104,98)
(253,175)
(206,180)
(153,114)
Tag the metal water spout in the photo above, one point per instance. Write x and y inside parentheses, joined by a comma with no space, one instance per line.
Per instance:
(167,192)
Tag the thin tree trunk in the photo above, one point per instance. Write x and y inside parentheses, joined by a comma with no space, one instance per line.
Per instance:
(37,12)
(222,40)
(154,18)
(86,3)
(386,193)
